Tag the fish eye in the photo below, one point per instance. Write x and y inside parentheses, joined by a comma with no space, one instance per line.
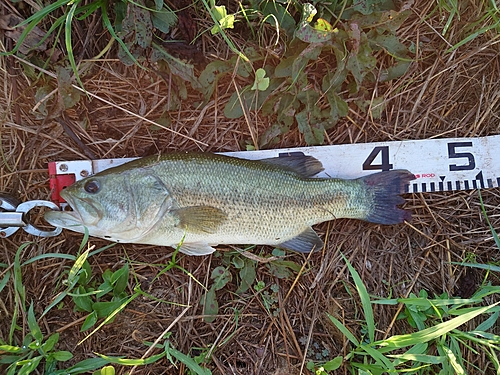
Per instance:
(92,187)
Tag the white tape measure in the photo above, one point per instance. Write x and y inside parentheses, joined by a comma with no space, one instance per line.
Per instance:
(439,164)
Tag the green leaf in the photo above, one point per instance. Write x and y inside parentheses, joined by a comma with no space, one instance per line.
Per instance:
(274,12)
(225,21)
(62,355)
(49,344)
(164,20)
(211,306)
(283,269)
(247,275)
(333,364)
(34,328)
(69,95)
(185,359)
(104,309)
(320,33)
(106,370)
(338,107)
(83,366)
(84,303)
(221,277)
(28,365)
(312,135)
(370,6)
(11,349)
(90,321)
(261,82)
(120,279)
(177,66)
(392,45)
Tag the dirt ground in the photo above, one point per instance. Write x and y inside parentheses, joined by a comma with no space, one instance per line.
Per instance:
(443,95)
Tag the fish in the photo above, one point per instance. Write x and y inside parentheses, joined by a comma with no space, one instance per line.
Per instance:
(195,201)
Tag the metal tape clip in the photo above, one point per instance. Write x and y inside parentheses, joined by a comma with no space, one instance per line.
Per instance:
(13,217)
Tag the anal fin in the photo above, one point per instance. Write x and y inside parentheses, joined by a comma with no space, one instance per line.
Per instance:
(305,242)
(196,248)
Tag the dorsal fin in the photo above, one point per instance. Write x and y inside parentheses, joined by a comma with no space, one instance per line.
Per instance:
(303,165)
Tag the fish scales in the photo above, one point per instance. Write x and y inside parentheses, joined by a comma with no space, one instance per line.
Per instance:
(201,200)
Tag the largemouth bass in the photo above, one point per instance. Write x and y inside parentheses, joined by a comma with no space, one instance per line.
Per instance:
(199,200)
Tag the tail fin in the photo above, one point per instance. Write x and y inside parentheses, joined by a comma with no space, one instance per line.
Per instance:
(386,188)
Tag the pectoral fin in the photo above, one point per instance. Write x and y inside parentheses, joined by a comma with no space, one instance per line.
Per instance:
(196,248)
(305,242)
(200,219)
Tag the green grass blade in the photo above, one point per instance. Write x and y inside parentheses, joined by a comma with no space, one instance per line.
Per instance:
(188,361)
(345,331)
(69,44)
(48,256)
(132,362)
(428,334)
(4,281)
(365,300)
(34,20)
(109,26)
(493,232)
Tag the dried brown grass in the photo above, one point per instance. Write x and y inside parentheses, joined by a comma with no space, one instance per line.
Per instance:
(444,95)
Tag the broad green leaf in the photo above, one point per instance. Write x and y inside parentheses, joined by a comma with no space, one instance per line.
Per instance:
(177,66)
(333,364)
(338,107)
(104,309)
(164,20)
(312,135)
(225,21)
(247,275)
(84,366)
(62,355)
(120,279)
(274,12)
(221,277)
(10,349)
(28,365)
(106,370)
(83,302)
(392,45)
(89,322)
(69,95)
(50,343)
(261,82)
(320,33)
(211,306)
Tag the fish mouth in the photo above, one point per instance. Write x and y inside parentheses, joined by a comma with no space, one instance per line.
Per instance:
(82,213)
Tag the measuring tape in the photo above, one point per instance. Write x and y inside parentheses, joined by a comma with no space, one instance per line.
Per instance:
(448,164)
